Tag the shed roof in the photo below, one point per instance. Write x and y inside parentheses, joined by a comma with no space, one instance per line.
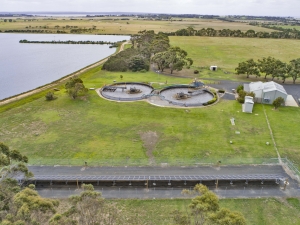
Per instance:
(272,86)
(255,86)
(266,87)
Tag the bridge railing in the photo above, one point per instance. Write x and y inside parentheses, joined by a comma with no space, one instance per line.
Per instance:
(164,162)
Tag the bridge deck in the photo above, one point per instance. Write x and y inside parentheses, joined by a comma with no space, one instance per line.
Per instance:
(264,177)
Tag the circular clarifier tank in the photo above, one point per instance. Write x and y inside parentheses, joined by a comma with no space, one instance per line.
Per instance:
(186,95)
(126,91)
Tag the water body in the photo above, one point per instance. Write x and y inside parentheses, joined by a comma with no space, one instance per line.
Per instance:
(24,67)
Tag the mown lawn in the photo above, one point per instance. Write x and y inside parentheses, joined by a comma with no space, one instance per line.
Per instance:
(256,211)
(96,129)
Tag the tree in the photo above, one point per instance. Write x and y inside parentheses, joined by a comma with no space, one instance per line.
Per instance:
(12,163)
(176,59)
(267,65)
(205,209)
(278,69)
(75,87)
(160,60)
(286,71)
(88,208)
(18,206)
(138,63)
(295,71)
(278,102)
(225,216)
(248,67)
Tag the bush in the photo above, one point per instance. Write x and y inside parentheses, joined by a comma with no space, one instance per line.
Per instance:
(240,87)
(143,71)
(221,91)
(211,101)
(196,71)
(278,102)
(50,96)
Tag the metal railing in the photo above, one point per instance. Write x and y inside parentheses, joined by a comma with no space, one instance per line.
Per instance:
(153,162)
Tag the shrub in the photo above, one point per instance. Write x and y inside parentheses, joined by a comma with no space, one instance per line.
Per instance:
(143,71)
(211,101)
(50,96)
(240,87)
(221,91)
(196,71)
(278,102)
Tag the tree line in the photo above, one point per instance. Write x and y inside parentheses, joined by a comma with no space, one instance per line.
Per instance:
(211,32)
(270,67)
(147,47)
(33,31)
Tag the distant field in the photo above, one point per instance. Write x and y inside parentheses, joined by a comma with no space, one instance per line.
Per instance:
(289,27)
(256,211)
(228,52)
(114,25)
(97,129)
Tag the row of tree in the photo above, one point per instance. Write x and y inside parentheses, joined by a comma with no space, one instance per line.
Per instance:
(270,67)
(289,33)
(211,32)
(147,46)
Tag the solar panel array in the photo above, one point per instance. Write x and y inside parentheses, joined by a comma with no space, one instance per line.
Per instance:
(156,178)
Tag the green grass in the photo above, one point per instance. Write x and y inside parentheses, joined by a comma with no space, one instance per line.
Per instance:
(289,27)
(256,211)
(228,52)
(285,131)
(97,129)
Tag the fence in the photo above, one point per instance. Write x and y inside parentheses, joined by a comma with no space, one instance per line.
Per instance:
(153,162)
(292,166)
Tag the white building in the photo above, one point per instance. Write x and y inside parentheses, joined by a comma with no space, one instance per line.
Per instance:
(248,105)
(213,68)
(266,92)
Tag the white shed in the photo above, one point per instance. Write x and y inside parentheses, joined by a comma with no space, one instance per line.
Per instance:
(266,92)
(248,105)
(213,68)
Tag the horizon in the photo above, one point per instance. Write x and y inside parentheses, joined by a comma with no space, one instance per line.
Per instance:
(273,8)
(137,13)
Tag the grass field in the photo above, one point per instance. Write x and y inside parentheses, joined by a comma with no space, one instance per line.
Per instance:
(256,211)
(97,129)
(289,27)
(228,52)
(117,26)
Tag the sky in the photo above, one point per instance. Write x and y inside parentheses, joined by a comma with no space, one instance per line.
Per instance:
(205,7)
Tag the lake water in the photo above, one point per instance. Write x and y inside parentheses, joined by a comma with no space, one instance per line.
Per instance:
(24,67)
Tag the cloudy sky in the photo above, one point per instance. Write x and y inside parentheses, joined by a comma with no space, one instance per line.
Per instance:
(217,7)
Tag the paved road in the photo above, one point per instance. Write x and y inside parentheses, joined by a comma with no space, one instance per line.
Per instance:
(170,193)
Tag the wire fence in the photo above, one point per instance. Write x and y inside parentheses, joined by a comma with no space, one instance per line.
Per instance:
(164,162)
(292,166)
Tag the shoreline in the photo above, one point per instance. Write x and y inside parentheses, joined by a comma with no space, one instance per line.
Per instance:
(56,82)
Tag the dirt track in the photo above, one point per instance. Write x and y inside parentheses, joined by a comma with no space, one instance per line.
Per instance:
(26,94)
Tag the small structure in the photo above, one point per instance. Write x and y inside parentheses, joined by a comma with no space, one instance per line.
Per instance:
(266,92)
(248,105)
(197,84)
(213,68)
(134,90)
